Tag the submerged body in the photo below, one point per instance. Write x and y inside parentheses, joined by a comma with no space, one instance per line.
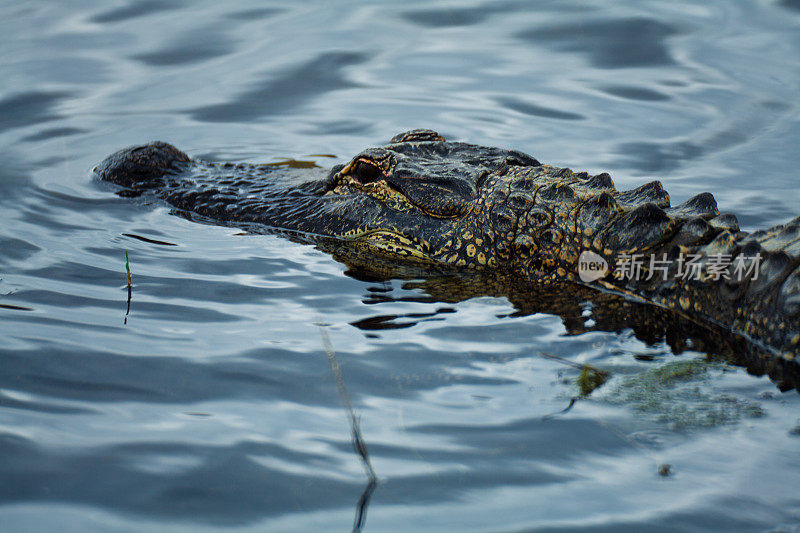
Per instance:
(443,204)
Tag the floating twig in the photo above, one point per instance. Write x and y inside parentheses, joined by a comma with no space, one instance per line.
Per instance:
(128,269)
(129,279)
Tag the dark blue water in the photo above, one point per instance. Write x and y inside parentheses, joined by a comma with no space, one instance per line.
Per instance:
(212,405)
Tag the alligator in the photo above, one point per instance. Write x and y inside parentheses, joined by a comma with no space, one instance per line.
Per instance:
(446,206)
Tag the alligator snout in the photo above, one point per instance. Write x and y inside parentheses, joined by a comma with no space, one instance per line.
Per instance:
(142,167)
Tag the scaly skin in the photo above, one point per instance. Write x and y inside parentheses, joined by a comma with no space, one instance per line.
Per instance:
(424,200)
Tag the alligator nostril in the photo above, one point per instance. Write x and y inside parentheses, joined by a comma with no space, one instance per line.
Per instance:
(142,166)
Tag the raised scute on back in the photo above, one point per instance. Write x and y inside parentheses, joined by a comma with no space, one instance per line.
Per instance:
(702,205)
(652,192)
(638,230)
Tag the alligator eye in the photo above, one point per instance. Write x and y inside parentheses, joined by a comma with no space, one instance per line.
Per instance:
(367,172)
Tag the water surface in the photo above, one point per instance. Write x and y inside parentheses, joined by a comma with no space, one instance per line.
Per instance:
(212,406)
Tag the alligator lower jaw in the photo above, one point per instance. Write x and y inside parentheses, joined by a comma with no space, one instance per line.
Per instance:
(388,243)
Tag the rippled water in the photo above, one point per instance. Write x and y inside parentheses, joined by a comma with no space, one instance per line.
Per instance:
(211,404)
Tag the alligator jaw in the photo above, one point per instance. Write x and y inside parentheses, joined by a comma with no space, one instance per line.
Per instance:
(392,244)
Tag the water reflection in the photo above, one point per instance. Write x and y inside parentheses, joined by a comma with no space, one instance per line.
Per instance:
(617,43)
(222,485)
(29,108)
(284,92)
(135,10)
(192,47)
(458,16)
(580,308)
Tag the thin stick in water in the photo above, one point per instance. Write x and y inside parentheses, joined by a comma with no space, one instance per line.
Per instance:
(358,441)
